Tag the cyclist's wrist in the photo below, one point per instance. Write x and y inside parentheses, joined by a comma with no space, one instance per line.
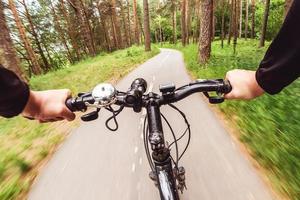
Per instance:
(32,107)
(256,89)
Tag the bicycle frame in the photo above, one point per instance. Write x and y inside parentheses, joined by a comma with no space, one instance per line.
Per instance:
(161,154)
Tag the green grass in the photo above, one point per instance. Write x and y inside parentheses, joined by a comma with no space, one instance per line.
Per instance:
(269,125)
(24,144)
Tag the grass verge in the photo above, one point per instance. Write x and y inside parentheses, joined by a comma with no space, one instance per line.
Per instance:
(25,144)
(269,125)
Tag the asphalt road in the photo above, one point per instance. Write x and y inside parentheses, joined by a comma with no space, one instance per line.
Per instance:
(94,163)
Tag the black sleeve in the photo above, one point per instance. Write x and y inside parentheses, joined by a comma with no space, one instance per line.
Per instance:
(14,93)
(281,64)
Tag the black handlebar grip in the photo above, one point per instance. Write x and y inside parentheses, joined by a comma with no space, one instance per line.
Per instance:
(69,104)
(227,86)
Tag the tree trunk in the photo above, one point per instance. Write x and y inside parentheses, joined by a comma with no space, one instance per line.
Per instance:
(187,21)
(197,31)
(246,19)
(205,31)
(124,24)
(235,25)
(114,33)
(136,24)
(129,22)
(83,26)
(287,6)
(253,20)
(70,31)
(265,24)
(88,24)
(147,26)
(116,25)
(241,19)
(214,21)
(36,69)
(8,56)
(174,21)
(36,37)
(231,22)
(223,23)
(183,22)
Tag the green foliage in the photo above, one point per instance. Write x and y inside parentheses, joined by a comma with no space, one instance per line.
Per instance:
(275,20)
(10,189)
(269,125)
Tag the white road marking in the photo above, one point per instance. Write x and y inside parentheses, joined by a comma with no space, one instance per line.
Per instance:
(142,136)
(140,161)
(136,149)
(153,78)
(133,167)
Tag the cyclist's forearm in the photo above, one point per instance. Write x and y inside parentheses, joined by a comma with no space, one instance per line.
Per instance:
(14,93)
(280,65)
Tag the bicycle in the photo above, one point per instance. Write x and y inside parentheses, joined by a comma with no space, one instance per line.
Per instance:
(166,173)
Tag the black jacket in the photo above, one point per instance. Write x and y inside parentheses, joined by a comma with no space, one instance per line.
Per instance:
(280,67)
(14,93)
(281,64)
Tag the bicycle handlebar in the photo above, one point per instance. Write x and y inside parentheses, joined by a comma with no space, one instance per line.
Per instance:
(136,98)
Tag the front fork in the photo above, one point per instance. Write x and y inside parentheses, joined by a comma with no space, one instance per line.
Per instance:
(161,153)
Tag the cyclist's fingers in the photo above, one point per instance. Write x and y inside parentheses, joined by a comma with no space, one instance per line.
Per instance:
(67,114)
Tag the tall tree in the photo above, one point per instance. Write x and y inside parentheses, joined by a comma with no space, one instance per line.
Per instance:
(231,21)
(8,56)
(253,19)
(205,31)
(36,37)
(61,32)
(70,31)
(241,19)
(246,19)
(223,22)
(183,22)
(235,23)
(129,22)
(174,20)
(147,26)
(116,24)
(127,36)
(36,69)
(187,21)
(83,25)
(265,24)
(104,12)
(136,23)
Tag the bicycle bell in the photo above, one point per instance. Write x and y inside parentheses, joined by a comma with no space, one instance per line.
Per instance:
(104,93)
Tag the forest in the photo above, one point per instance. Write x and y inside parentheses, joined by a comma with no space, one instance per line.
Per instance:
(41,36)
(50,44)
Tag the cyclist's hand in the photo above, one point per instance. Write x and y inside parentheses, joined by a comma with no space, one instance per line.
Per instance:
(244,85)
(48,106)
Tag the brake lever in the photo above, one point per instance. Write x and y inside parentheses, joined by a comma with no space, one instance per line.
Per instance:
(91,116)
(214,99)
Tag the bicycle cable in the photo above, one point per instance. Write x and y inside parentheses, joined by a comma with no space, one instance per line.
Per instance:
(114,117)
(188,128)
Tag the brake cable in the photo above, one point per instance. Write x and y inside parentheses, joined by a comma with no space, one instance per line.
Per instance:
(115,114)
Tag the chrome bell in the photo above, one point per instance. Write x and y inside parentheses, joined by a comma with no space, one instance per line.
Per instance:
(104,93)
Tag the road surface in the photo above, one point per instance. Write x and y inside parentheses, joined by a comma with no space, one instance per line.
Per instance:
(94,163)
